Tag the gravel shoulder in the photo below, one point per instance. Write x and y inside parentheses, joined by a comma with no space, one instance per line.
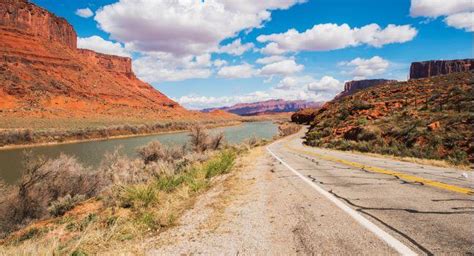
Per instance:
(263,209)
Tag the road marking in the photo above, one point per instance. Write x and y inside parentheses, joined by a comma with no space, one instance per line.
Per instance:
(386,237)
(404,176)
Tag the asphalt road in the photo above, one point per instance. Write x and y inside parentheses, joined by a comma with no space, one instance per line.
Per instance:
(428,210)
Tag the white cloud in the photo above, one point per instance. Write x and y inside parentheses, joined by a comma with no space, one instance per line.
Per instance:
(464,20)
(272,49)
(219,63)
(437,8)
(270,59)
(165,67)
(84,13)
(292,82)
(325,37)
(289,88)
(363,68)
(98,44)
(457,13)
(326,84)
(183,27)
(236,48)
(238,71)
(284,67)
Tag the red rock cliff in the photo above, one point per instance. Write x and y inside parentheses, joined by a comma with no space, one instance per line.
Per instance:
(30,19)
(111,63)
(427,69)
(353,86)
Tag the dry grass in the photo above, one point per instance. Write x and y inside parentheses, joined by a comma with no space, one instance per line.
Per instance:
(136,200)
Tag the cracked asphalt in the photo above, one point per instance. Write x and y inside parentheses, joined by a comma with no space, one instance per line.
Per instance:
(429,220)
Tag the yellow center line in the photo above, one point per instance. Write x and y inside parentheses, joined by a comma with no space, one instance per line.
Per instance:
(404,176)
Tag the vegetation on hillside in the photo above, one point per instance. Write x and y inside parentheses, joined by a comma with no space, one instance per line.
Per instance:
(427,118)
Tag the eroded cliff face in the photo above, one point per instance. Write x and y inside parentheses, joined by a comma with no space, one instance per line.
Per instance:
(353,86)
(30,19)
(428,69)
(111,63)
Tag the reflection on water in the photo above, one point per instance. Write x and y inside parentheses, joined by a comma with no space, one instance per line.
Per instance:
(91,153)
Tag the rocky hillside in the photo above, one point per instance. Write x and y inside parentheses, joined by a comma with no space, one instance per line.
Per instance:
(431,68)
(267,107)
(425,118)
(43,75)
(352,87)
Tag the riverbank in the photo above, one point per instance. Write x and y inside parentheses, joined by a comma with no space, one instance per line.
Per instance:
(101,136)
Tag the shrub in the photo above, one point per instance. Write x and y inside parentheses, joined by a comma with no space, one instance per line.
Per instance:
(45,182)
(222,164)
(154,151)
(286,129)
(138,196)
(64,204)
(216,142)
(199,138)
(359,105)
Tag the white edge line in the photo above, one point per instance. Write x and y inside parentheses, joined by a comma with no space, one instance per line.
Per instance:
(386,237)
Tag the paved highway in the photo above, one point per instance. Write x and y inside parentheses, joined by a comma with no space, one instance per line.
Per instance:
(428,209)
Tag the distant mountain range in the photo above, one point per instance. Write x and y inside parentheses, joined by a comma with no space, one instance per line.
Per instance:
(267,107)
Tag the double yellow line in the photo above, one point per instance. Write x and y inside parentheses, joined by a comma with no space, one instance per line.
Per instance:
(403,176)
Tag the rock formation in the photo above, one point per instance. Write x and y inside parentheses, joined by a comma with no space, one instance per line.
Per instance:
(26,18)
(43,75)
(427,69)
(304,116)
(353,86)
(268,107)
(111,63)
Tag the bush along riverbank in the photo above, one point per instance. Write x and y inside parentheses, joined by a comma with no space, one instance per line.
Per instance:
(24,137)
(61,207)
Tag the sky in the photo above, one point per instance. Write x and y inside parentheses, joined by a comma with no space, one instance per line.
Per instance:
(211,53)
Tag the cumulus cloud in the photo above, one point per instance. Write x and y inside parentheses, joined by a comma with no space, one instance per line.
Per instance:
(326,84)
(437,8)
(284,67)
(289,88)
(236,48)
(84,13)
(363,68)
(237,71)
(183,27)
(165,67)
(101,45)
(464,20)
(271,59)
(458,13)
(325,37)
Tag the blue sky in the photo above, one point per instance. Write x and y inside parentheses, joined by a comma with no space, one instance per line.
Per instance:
(220,52)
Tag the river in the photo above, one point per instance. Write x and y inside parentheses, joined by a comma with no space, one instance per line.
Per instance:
(91,153)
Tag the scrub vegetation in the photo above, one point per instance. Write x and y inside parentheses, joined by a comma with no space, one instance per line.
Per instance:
(62,207)
(426,118)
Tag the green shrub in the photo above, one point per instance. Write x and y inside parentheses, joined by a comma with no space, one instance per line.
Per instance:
(138,196)
(222,164)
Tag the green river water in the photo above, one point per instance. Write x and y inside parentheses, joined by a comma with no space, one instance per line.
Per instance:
(92,152)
